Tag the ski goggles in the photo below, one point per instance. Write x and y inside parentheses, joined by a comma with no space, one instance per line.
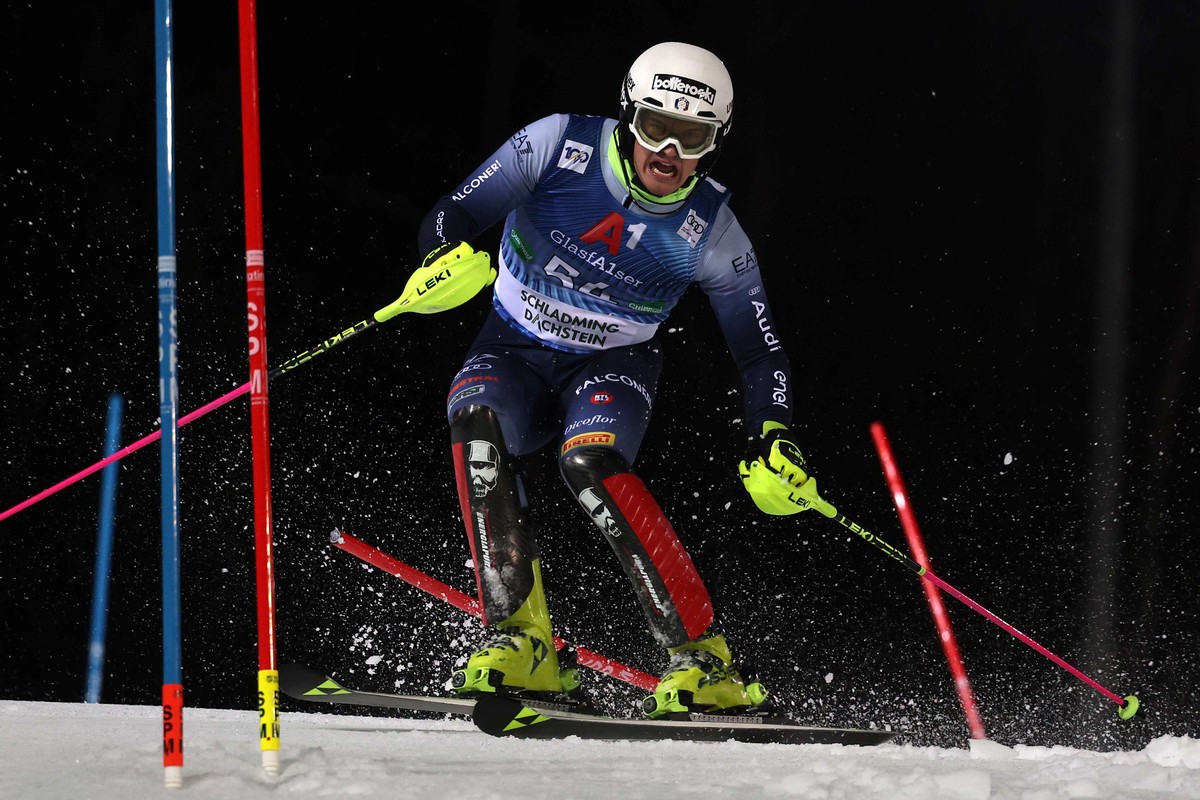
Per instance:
(654,130)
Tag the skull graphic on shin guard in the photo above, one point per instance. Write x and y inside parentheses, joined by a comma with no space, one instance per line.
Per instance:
(596,508)
(483,464)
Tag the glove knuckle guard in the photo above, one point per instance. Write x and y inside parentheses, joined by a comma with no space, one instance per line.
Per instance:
(446,254)
(448,277)
(776,479)
(768,491)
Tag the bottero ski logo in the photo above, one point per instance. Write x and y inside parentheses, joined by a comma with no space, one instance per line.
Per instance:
(691,88)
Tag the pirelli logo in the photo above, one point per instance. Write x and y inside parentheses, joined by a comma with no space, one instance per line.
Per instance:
(598,437)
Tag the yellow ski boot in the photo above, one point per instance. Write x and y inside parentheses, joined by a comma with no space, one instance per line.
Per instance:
(520,657)
(701,678)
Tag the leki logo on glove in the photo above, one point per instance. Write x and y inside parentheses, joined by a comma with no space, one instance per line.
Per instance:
(792,453)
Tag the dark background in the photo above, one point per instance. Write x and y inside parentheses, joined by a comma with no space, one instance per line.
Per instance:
(978,224)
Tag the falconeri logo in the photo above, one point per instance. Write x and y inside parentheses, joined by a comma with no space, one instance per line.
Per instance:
(674,83)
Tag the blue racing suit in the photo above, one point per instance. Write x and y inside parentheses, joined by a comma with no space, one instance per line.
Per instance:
(568,353)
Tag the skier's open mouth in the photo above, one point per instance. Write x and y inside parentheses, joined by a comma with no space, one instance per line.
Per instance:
(663,168)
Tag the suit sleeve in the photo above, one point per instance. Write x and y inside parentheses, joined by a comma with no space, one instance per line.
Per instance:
(494,188)
(730,277)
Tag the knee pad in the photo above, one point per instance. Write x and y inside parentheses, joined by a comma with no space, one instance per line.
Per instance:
(670,590)
(489,494)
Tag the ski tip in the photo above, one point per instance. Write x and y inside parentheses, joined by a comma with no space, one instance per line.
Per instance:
(301,680)
(505,716)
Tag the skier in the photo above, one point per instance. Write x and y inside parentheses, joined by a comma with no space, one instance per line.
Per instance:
(607,222)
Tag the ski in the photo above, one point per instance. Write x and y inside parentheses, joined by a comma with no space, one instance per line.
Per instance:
(531,719)
(508,717)
(305,683)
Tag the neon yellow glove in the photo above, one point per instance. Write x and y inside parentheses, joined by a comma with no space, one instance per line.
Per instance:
(776,480)
(448,277)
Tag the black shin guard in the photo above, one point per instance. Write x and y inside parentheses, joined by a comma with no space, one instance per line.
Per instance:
(669,588)
(502,547)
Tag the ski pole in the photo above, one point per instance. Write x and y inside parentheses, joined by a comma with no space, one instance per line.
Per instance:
(438,287)
(1129,704)
(460,600)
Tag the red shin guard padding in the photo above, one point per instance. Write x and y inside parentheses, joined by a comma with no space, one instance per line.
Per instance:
(667,553)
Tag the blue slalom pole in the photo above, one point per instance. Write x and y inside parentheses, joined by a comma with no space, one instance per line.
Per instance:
(168,392)
(104,538)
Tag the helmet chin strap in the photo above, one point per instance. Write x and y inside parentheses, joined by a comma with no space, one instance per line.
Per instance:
(624,169)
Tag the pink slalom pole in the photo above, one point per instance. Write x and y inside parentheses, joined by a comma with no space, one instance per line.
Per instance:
(1129,704)
(426,583)
(124,451)
(916,544)
(1116,698)
(292,363)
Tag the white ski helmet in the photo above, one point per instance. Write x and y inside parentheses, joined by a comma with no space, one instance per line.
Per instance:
(682,81)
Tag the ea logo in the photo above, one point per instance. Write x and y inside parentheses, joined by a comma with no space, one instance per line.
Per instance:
(601,398)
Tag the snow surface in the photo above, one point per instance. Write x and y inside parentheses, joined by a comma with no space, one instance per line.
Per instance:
(78,751)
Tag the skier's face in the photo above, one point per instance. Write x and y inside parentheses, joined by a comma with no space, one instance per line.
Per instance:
(663,172)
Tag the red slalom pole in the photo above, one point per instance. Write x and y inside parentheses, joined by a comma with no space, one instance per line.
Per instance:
(916,544)
(426,583)
(260,429)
